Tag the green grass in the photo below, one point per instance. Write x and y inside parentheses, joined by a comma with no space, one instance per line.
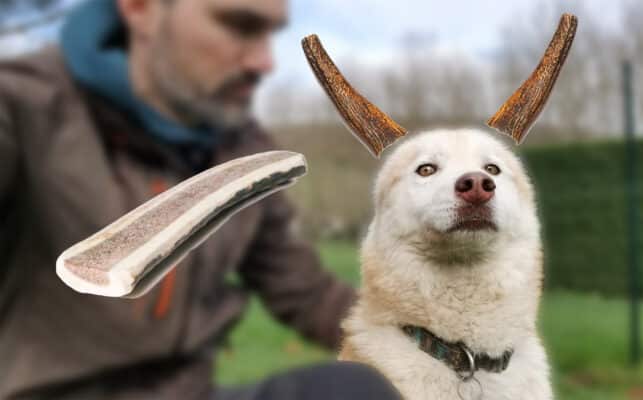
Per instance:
(587,340)
(585,336)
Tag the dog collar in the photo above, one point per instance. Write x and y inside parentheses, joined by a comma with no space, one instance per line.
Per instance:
(457,356)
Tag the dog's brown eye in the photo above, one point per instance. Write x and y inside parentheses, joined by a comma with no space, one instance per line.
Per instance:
(426,169)
(492,169)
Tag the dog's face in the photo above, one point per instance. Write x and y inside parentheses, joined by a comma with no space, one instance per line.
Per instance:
(454,187)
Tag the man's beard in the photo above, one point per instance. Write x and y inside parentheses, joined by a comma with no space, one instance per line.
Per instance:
(194,106)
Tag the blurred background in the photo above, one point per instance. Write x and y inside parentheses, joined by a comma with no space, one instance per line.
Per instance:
(432,63)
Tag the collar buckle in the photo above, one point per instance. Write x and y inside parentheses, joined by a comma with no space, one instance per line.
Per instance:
(467,375)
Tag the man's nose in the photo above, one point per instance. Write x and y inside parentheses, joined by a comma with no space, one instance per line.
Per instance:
(259,57)
(475,188)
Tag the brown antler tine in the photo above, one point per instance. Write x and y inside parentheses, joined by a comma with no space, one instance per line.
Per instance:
(516,116)
(368,123)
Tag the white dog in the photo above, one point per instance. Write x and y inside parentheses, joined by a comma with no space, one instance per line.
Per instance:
(452,273)
(452,263)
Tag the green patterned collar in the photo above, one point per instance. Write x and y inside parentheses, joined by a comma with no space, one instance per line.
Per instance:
(457,356)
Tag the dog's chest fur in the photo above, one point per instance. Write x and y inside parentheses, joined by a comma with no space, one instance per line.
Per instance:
(419,376)
(491,308)
(480,287)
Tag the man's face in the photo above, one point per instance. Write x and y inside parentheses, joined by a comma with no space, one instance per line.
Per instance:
(207,56)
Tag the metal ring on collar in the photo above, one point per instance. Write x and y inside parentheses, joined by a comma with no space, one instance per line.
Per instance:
(468,375)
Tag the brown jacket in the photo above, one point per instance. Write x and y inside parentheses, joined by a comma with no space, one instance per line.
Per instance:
(70,163)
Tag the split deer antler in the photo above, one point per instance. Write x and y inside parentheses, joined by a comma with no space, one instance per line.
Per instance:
(129,256)
(516,116)
(368,123)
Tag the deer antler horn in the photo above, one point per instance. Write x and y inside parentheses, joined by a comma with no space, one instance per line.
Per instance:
(368,123)
(516,116)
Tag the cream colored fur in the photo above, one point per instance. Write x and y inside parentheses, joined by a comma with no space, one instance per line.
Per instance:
(479,287)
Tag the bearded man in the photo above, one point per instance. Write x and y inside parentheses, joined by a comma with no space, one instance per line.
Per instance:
(138,96)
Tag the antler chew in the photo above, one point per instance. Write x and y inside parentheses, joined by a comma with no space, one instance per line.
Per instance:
(516,116)
(129,256)
(368,123)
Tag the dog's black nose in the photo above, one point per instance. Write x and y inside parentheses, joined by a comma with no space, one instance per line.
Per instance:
(475,188)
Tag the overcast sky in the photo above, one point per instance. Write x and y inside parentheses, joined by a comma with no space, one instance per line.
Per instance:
(369,30)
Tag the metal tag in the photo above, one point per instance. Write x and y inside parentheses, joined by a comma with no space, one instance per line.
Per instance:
(470,389)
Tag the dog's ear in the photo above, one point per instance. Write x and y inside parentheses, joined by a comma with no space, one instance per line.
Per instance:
(369,124)
(516,116)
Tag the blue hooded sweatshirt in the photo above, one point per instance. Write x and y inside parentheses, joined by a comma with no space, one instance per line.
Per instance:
(103,69)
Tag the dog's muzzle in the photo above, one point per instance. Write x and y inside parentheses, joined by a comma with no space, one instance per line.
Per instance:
(473,218)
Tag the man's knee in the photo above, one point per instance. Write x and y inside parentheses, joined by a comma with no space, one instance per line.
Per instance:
(332,381)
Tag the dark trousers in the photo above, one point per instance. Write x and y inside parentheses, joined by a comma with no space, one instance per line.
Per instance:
(185,380)
(332,381)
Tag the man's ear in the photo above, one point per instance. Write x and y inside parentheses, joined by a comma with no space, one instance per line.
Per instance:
(142,17)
